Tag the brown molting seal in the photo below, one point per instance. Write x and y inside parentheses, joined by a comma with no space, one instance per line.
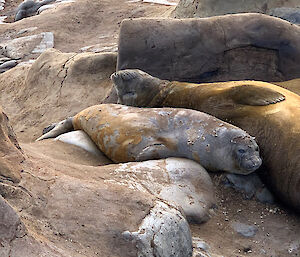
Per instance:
(126,134)
(268,112)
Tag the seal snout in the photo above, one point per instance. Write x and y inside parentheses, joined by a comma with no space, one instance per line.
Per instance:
(125,75)
(114,77)
(252,164)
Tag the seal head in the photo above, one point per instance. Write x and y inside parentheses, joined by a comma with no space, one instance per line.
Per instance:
(246,154)
(233,151)
(135,86)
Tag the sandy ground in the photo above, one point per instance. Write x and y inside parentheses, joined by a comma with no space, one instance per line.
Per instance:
(84,22)
(89,22)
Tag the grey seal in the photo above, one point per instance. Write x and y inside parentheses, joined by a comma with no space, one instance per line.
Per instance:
(29,7)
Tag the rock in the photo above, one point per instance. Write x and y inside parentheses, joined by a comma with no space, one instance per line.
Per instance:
(244,229)
(230,47)
(46,43)
(30,29)
(180,181)
(200,244)
(163,2)
(51,6)
(62,80)
(290,14)
(18,48)
(11,226)
(15,237)
(106,207)
(45,7)
(2,19)
(2,3)
(208,8)
(164,232)
(8,65)
(4,59)
(251,185)
(11,155)
(100,48)
(294,247)
(202,249)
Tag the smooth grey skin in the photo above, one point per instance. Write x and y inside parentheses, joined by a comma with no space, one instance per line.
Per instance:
(29,7)
(208,50)
(164,232)
(216,145)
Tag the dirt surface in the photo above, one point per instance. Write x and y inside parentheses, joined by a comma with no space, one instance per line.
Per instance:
(85,23)
(277,227)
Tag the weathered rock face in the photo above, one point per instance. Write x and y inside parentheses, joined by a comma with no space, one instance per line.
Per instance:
(66,82)
(290,14)
(18,48)
(11,226)
(230,47)
(11,155)
(15,238)
(208,8)
(121,209)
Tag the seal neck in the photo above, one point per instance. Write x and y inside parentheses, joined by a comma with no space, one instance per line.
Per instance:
(164,90)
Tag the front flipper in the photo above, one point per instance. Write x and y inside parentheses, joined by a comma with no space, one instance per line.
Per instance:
(55,130)
(48,128)
(154,151)
(255,95)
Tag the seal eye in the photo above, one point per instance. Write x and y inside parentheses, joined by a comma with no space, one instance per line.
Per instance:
(241,151)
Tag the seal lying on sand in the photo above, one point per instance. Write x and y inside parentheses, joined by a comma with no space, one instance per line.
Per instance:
(29,7)
(264,110)
(135,134)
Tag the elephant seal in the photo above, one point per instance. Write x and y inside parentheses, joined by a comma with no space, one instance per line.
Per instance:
(268,112)
(29,7)
(126,134)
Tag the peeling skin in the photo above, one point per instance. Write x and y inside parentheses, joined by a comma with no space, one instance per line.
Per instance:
(163,232)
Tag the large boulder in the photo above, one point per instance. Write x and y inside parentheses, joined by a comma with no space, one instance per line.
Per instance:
(21,47)
(16,240)
(230,47)
(57,85)
(124,210)
(290,14)
(208,8)
(11,155)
